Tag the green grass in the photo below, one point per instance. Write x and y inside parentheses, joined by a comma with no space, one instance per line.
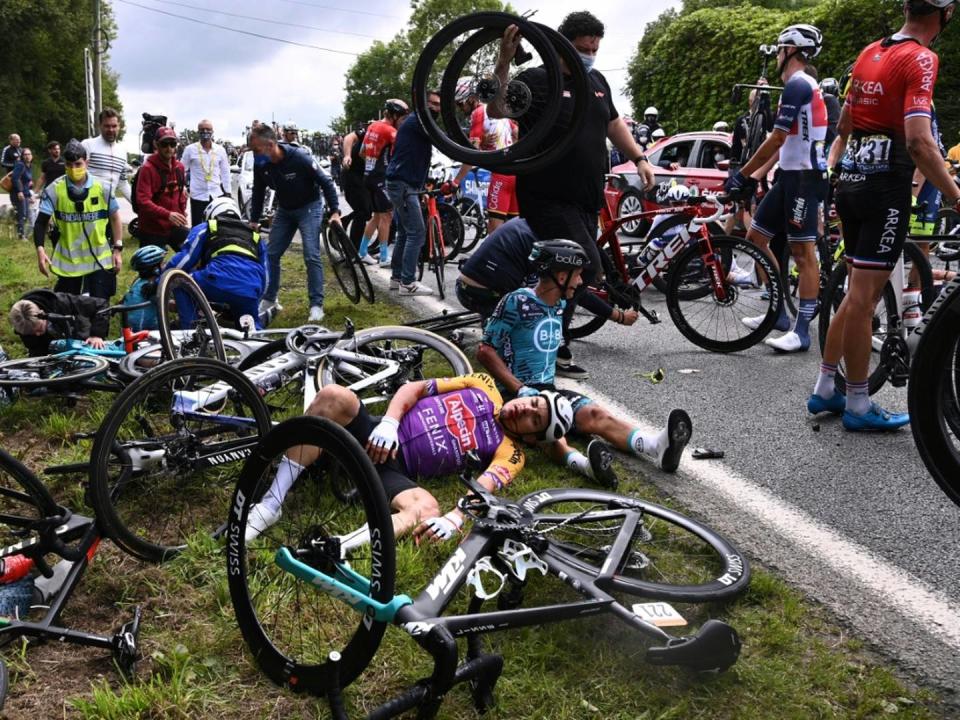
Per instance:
(797,662)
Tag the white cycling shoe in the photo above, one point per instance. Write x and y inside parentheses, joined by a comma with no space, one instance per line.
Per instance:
(259,519)
(788,343)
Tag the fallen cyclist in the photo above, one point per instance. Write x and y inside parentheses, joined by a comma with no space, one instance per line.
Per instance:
(519,348)
(428,430)
(28,317)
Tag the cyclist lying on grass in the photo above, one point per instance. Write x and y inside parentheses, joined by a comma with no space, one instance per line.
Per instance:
(37,333)
(519,348)
(429,428)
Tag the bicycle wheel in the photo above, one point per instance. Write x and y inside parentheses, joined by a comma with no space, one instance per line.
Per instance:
(24,502)
(340,262)
(290,625)
(453,230)
(474,224)
(412,353)
(585,322)
(51,370)
(188,327)
(437,259)
(715,323)
(669,556)
(165,459)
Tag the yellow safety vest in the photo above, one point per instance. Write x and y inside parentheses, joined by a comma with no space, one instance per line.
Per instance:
(235,238)
(82,247)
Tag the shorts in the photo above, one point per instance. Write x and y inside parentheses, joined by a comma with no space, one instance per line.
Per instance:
(502,197)
(577,400)
(875,213)
(792,205)
(379,202)
(393,473)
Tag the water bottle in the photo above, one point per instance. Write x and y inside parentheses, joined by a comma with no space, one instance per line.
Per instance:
(270,382)
(911,307)
(652,249)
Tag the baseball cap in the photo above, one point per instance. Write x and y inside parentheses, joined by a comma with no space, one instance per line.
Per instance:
(164,133)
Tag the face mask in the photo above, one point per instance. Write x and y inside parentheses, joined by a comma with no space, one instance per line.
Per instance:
(206,134)
(76,174)
(588,61)
(259,160)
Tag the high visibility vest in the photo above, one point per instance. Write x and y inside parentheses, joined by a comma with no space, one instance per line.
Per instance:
(82,247)
(229,236)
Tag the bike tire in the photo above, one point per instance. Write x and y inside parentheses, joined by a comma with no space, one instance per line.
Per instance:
(585,323)
(176,286)
(159,475)
(473,218)
(338,256)
(24,503)
(695,312)
(437,259)
(453,230)
(51,370)
(291,627)
(676,558)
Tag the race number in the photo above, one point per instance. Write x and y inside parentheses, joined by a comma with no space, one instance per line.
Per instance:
(871,154)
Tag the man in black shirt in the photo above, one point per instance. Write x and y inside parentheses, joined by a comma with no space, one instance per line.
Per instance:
(53,167)
(563,199)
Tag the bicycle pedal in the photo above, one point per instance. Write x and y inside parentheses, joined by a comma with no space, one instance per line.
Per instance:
(125,648)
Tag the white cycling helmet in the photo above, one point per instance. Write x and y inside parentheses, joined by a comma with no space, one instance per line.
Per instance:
(658,133)
(678,193)
(220,206)
(464,89)
(806,38)
(651,111)
(721,126)
(560,416)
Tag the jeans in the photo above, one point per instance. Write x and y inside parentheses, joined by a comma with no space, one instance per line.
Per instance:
(285,223)
(411,232)
(24,222)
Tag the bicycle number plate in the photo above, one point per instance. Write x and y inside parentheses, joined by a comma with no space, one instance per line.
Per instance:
(660,614)
(872,154)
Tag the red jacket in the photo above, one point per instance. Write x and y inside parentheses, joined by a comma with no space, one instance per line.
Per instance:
(156,202)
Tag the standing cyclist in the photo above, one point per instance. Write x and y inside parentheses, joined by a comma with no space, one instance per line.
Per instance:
(377,150)
(884,132)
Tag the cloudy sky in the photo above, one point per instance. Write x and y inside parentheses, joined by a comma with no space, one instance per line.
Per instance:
(176,58)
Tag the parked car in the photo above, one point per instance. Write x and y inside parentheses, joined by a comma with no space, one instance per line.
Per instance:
(241,183)
(696,159)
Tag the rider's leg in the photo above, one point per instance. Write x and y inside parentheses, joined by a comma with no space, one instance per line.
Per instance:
(412,507)
(865,289)
(665,446)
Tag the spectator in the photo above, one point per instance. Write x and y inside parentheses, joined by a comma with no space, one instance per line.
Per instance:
(11,153)
(291,133)
(21,193)
(36,332)
(161,195)
(52,167)
(83,259)
(106,161)
(297,179)
(208,171)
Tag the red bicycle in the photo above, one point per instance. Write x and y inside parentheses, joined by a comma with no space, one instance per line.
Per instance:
(700,274)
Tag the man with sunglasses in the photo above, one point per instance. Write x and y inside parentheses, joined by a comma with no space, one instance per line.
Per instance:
(161,197)
(83,259)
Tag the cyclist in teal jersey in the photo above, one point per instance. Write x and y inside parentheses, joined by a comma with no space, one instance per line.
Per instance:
(519,348)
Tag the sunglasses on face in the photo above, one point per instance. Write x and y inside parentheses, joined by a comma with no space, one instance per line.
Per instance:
(168,143)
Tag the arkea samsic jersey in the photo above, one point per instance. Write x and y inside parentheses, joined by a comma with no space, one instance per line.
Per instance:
(458,415)
(802,114)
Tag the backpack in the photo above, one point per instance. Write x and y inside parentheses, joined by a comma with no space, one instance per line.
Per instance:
(181,184)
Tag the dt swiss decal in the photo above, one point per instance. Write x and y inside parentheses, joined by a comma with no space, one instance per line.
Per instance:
(460,421)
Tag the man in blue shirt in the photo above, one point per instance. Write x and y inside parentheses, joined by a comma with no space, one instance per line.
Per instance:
(406,174)
(297,179)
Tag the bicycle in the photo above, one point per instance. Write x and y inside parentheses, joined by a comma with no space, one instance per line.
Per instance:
(348,269)
(760,121)
(704,304)
(313,605)
(434,251)
(163,460)
(33,527)
(472,206)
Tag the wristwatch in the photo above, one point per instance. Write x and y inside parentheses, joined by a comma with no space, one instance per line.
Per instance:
(117,247)
(640,159)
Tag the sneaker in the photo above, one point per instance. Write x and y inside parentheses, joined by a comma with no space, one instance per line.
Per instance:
(268,305)
(788,343)
(368,259)
(566,367)
(745,278)
(600,454)
(876,419)
(415,288)
(386,262)
(316,313)
(259,519)
(679,431)
(836,404)
(394,284)
(782,324)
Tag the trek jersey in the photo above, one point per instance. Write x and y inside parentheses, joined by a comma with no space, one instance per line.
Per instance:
(892,81)
(802,114)
(526,333)
(491,133)
(377,145)
(458,415)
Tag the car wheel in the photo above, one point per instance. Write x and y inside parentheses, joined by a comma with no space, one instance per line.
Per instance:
(631,203)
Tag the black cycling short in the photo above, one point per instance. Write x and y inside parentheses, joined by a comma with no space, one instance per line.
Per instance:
(393,473)
(379,201)
(792,205)
(875,215)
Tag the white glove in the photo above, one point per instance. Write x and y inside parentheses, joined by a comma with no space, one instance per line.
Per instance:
(384,435)
(445,526)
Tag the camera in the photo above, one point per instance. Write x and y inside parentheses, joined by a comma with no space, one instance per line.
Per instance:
(149,127)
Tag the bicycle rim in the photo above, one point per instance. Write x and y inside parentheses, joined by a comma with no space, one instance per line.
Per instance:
(24,501)
(343,269)
(161,473)
(669,556)
(51,370)
(188,326)
(290,625)
(437,259)
(453,230)
(585,322)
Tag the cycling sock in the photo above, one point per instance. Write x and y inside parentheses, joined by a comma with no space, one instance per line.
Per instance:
(825,386)
(364,246)
(804,316)
(576,460)
(287,474)
(640,444)
(858,398)
(783,319)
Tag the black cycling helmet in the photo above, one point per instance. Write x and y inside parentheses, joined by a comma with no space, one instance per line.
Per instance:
(74,150)
(549,256)
(830,86)
(396,107)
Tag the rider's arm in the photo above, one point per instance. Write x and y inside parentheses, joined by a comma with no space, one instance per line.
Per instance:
(925,153)
(496,336)
(488,357)
(796,93)
(189,254)
(507,462)
(844,128)
(406,397)
(348,142)
(508,48)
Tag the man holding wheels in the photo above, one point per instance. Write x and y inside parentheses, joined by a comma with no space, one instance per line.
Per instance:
(428,430)
(793,204)
(884,133)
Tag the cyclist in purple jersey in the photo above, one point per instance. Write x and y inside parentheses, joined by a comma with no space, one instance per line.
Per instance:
(435,423)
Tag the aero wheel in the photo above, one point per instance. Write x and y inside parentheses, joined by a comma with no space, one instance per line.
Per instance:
(401,354)
(712,318)
(585,322)
(166,457)
(51,371)
(437,258)
(24,502)
(474,223)
(188,327)
(290,625)
(453,229)
(668,556)
(337,246)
